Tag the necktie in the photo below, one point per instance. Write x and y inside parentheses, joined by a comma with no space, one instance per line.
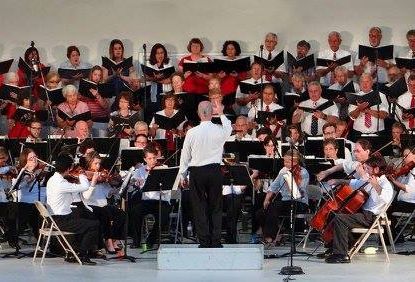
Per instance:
(314,123)
(269,56)
(171,146)
(368,120)
(332,77)
(412,120)
(267,108)
(413,54)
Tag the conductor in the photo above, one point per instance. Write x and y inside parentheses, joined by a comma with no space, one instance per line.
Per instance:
(201,157)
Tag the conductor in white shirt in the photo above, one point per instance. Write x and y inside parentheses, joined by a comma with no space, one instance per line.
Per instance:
(201,157)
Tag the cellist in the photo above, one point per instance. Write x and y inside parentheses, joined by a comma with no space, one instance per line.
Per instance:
(380,192)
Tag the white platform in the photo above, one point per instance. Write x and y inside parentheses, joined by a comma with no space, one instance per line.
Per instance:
(230,257)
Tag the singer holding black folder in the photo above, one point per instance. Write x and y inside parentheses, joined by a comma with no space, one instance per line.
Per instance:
(73,63)
(368,118)
(121,124)
(200,159)
(377,67)
(405,103)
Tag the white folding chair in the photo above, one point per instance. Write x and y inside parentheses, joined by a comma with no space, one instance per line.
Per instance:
(49,229)
(374,228)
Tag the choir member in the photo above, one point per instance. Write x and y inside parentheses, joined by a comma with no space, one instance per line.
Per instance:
(303,47)
(124,111)
(73,63)
(407,101)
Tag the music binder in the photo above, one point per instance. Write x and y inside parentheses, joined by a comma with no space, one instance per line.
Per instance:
(25,115)
(126,122)
(373,98)
(112,65)
(161,73)
(228,66)
(5,66)
(321,108)
(169,123)
(332,94)
(396,89)
(373,53)
(106,90)
(306,63)
(410,111)
(405,63)
(11,93)
(65,116)
(326,62)
(272,64)
(265,117)
(73,73)
(203,67)
(55,95)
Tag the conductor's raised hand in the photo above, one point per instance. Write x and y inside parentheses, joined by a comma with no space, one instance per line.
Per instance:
(217,107)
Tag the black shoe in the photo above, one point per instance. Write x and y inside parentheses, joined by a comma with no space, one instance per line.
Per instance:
(334,258)
(324,255)
(87,261)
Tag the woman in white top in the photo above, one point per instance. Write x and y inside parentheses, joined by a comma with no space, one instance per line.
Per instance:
(111,218)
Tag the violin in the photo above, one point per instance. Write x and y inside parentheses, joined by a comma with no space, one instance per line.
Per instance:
(403,170)
(12,173)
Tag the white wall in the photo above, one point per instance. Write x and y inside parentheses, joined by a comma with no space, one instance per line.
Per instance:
(54,25)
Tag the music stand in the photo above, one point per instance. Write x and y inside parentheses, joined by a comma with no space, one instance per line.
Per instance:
(131,157)
(314,147)
(160,179)
(15,188)
(110,148)
(244,148)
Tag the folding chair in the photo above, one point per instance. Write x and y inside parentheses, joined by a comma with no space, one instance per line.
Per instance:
(375,228)
(48,229)
(175,218)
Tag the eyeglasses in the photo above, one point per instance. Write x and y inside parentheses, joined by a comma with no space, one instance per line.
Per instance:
(36,128)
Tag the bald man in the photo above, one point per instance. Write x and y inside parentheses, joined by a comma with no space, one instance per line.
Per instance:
(201,157)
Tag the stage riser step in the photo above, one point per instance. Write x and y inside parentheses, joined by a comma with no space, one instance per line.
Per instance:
(230,257)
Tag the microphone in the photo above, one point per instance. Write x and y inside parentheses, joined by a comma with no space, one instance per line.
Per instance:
(261,47)
(144,47)
(35,65)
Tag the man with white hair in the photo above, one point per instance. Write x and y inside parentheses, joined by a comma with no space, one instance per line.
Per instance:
(269,52)
(201,157)
(376,69)
(326,73)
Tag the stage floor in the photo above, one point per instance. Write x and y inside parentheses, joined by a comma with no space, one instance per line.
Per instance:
(363,268)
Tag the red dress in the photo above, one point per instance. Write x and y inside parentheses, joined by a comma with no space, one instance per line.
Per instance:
(194,84)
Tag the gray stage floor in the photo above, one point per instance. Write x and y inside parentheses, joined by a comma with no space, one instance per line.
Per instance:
(363,268)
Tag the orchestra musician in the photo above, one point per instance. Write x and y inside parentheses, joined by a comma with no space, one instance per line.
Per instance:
(144,203)
(59,192)
(380,192)
(273,208)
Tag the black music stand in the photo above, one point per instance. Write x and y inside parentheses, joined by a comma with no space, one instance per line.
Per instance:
(314,147)
(15,188)
(244,148)
(160,180)
(131,157)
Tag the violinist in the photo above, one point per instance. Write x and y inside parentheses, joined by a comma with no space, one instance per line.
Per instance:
(111,219)
(26,194)
(6,171)
(273,208)
(404,181)
(261,185)
(59,198)
(380,192)
(144,203)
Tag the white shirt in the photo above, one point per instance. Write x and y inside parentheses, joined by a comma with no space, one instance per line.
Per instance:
(97,196)
(377,123)
(405,101)
(376,202)
(409,181)
(4,183)
(161,133)
(307,117)
(203,144)
(251,80)
(59,193)
(280,185)
(328,54)
(253,111)
(274,53)
(337,86)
